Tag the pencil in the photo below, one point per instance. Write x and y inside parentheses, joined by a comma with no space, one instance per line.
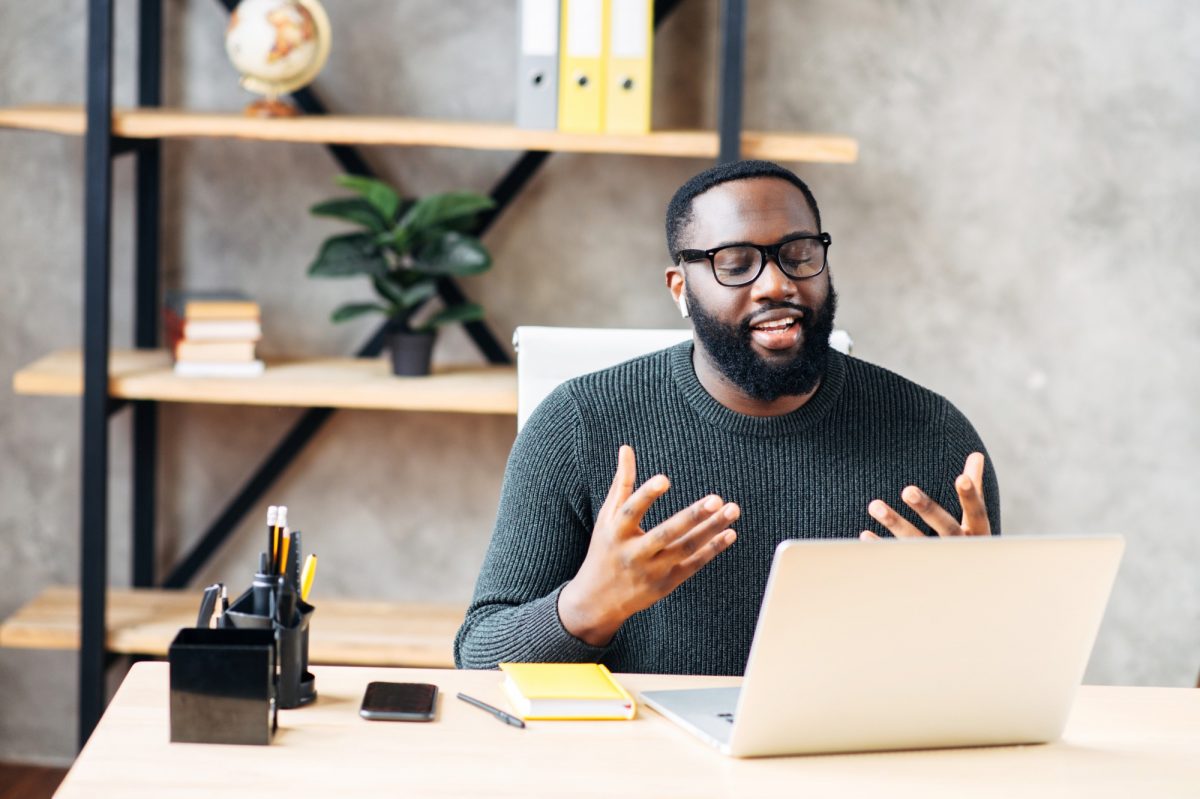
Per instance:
(283,549)
(307,575)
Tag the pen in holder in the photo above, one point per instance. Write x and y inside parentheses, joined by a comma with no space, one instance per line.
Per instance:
(289,617)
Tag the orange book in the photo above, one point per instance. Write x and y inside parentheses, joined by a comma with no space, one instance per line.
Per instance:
(214,351)
(189,305)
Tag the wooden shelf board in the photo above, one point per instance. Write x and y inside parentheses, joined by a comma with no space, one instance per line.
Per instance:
(401,131)
(364,383)
(144,621)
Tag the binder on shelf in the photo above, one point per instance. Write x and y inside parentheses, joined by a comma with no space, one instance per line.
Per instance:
(537,65)
(581,70)
(628,67)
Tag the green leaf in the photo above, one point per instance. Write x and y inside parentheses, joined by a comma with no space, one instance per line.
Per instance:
(419,293)
(352,310)
(407,278)
(389,289)
(467,312)
(455,254)
(379,194)
(441,209)
(464,224)
(401,297)
(347,256)
(352,209)
(400,239)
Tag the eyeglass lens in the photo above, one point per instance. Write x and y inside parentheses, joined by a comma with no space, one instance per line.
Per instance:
(798,258)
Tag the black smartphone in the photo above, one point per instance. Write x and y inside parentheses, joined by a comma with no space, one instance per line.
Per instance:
(399,701)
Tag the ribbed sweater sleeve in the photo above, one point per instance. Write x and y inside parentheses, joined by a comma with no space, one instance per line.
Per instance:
(542,531)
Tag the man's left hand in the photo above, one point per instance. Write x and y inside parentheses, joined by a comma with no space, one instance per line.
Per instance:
(969,486)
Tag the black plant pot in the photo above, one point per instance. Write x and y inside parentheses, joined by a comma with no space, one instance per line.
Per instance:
(411,352)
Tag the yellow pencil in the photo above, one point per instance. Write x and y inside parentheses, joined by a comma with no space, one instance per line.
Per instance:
(283,550)
(280,525)
(306,576)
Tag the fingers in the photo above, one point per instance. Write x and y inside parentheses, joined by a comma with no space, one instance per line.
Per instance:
(695,537)
(674,575)
(968,486)
(970,496)
(623,480)
(899,526)
(716,545)
(625,505)
(974,470)
(628,515)
(705,517)
(937,517)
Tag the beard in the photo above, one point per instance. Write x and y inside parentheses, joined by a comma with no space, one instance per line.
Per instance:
(730,348)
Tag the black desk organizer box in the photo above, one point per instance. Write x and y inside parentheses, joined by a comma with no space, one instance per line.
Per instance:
(223,686)
(228,683)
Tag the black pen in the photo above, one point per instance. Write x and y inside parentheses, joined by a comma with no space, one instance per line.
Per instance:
(495,711)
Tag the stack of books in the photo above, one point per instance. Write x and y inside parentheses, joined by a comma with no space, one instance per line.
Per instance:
(213,334)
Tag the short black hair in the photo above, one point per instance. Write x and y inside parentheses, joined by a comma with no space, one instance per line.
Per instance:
(679,210)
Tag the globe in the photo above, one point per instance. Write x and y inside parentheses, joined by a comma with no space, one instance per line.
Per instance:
(277,46)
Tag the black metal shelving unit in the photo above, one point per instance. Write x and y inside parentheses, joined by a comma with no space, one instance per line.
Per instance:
(101,147)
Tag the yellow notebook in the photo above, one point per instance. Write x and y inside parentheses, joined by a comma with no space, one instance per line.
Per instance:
(566,691)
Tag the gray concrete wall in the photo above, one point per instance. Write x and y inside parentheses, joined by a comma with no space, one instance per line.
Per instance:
(1019,235)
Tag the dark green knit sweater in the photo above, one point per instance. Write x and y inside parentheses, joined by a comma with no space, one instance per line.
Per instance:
(865,434)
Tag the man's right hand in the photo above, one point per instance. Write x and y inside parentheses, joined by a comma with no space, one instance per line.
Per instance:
(628,569)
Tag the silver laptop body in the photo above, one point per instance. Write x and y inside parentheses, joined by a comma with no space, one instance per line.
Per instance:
(910,644)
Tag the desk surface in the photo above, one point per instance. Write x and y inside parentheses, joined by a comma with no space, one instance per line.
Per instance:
(1120,742)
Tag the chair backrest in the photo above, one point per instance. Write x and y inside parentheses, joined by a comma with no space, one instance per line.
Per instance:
(547,356)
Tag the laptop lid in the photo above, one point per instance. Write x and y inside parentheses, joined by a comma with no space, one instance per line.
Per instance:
(921,643)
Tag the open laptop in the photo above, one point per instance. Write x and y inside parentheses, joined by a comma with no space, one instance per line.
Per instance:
(910,644)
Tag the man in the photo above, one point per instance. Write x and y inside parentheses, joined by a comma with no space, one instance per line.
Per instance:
(757,423)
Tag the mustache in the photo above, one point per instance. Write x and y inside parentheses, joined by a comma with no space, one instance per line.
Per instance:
(807,315)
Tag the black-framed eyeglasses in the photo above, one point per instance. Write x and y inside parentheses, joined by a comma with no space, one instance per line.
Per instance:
(799,257)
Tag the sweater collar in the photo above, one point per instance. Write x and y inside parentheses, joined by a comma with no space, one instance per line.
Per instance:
(808,414)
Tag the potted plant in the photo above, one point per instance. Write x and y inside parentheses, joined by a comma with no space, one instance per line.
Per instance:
(404,247)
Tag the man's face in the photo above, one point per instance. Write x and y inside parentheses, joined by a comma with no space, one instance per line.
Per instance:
(768,338)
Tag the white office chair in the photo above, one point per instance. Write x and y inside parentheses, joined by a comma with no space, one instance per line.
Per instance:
(546,356)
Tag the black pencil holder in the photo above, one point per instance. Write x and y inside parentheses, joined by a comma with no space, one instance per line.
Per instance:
(223,686)
(296,685)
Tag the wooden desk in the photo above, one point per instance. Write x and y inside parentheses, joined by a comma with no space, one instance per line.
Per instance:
(1120,742)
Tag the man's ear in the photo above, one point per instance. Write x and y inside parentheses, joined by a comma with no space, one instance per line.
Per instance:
(675,284)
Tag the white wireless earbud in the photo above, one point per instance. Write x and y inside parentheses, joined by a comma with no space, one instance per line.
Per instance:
(683,309)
